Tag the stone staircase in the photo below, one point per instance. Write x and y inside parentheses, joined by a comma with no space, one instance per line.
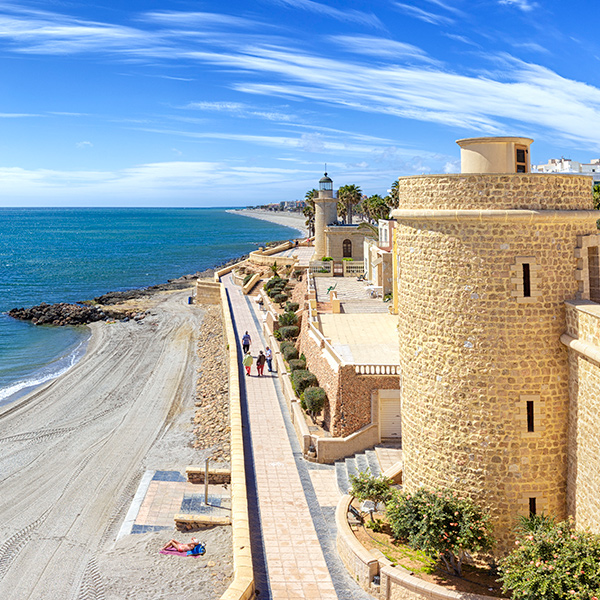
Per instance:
(366,461)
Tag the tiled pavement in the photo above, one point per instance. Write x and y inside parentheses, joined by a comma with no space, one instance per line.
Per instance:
(292,502)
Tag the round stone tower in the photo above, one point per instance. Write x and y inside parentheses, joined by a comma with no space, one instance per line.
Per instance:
(325,214)
(485,262)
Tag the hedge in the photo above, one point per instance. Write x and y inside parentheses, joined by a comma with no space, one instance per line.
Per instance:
(289,353)
(296,364)
(248,278)
(302,379)
(280,298)
(314,399)
(286,343)
(291,332)
(292,307)
(272,282)
(287,318)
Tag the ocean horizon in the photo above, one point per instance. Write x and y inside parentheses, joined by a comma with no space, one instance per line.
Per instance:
(74,254)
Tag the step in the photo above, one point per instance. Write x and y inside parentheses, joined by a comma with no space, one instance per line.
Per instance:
(373,461)
(362,464)
(351,467)
(341,476)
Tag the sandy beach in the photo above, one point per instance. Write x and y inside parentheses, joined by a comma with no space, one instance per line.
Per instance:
(73,453)
(288,219)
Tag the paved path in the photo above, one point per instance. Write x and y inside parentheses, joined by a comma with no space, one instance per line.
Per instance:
(292,502)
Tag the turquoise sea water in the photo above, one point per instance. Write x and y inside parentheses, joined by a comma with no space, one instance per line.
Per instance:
(70,255)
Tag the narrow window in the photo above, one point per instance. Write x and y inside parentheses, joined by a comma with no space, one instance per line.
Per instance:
(347,249)
(530,415)
(521,160)
(526,280)
(532,507)
(594,273)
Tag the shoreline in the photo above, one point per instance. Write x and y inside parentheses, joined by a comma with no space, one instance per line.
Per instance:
(293,220)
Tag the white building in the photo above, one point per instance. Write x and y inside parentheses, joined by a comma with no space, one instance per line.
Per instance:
(566,165)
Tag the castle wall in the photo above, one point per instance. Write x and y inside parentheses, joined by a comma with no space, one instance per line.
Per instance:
(474,349)
(583,472)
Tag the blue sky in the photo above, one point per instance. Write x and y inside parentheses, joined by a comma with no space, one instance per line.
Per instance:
(180,103)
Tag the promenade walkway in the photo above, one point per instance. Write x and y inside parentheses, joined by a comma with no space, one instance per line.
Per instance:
(292,502)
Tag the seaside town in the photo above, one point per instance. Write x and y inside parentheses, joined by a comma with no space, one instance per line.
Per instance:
(401,403)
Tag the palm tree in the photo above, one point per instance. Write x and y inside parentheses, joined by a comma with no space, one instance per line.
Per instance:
(349,195)
(309,211)
(377,207)
(394,197)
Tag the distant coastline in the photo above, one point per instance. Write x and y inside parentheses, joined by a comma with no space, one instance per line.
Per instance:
(287,219)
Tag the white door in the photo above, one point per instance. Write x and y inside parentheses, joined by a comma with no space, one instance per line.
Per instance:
(390,422)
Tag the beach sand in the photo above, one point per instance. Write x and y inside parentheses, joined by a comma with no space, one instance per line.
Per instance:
(72,456)
(288,219)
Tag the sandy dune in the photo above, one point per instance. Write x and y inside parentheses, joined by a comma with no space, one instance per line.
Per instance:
(72,454)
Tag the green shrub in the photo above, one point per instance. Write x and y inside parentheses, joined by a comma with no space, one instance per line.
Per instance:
(271,283)
(292,307)
(286,343)
(280,298)
(441,524)
(327,258)
(289,352)
(314,399)
(289,333)
(248,278)
(301,379)
(366,486)
(551,561)
(277,334)
(348,259)
(302,357)
(287,318)
(296,363)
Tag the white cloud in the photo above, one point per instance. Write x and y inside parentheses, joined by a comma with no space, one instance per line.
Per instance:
(84,144)
(424,15)
(345,15)
(375,46)
(524,5)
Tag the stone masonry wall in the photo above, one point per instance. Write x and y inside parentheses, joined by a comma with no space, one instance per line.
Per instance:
(473,350)
(534,191)
(583,495)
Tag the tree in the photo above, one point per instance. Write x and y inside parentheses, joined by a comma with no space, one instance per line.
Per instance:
(309,211)
(349,195)
(393,200)
(440,523)
(377,208)
(596,192)
(365,486)
(552,561)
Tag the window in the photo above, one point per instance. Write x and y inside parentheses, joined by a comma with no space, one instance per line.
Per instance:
(347,249)
(532,507)
(530,421)
(588,267)
(526,281)
(521,159)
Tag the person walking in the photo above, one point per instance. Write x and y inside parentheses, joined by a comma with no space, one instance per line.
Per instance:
(246,341)
(260,363)
(269,359)
(247,362)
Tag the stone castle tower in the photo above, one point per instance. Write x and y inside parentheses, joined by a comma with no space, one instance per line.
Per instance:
(485,261)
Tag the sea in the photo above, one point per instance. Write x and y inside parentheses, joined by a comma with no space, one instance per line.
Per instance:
(74,254)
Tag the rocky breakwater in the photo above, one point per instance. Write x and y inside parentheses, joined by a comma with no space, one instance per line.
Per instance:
(71,314)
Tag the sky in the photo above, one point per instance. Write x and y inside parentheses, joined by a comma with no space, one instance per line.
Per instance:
(244,102)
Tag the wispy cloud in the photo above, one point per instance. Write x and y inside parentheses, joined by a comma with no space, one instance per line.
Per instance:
(84,144)
(524,5)
(375,46)
(345,15)
(424,15)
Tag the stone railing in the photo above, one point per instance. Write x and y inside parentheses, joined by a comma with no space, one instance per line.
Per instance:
(320,268)
(353,268)
(377,369)
(394,582)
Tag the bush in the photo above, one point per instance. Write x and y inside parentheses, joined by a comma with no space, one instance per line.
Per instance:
(289,353)
(272,282)
(366,486)
(286,343)
(302,379)
(287,318)
(441,524)
(248,278)
(327,258)
(296,363)
(289,333)
(292,307)
(552,560)
(277,334)
(348,259)
(314,399)
(280,298)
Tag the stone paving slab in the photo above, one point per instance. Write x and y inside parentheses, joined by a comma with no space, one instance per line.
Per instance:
(294,536)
